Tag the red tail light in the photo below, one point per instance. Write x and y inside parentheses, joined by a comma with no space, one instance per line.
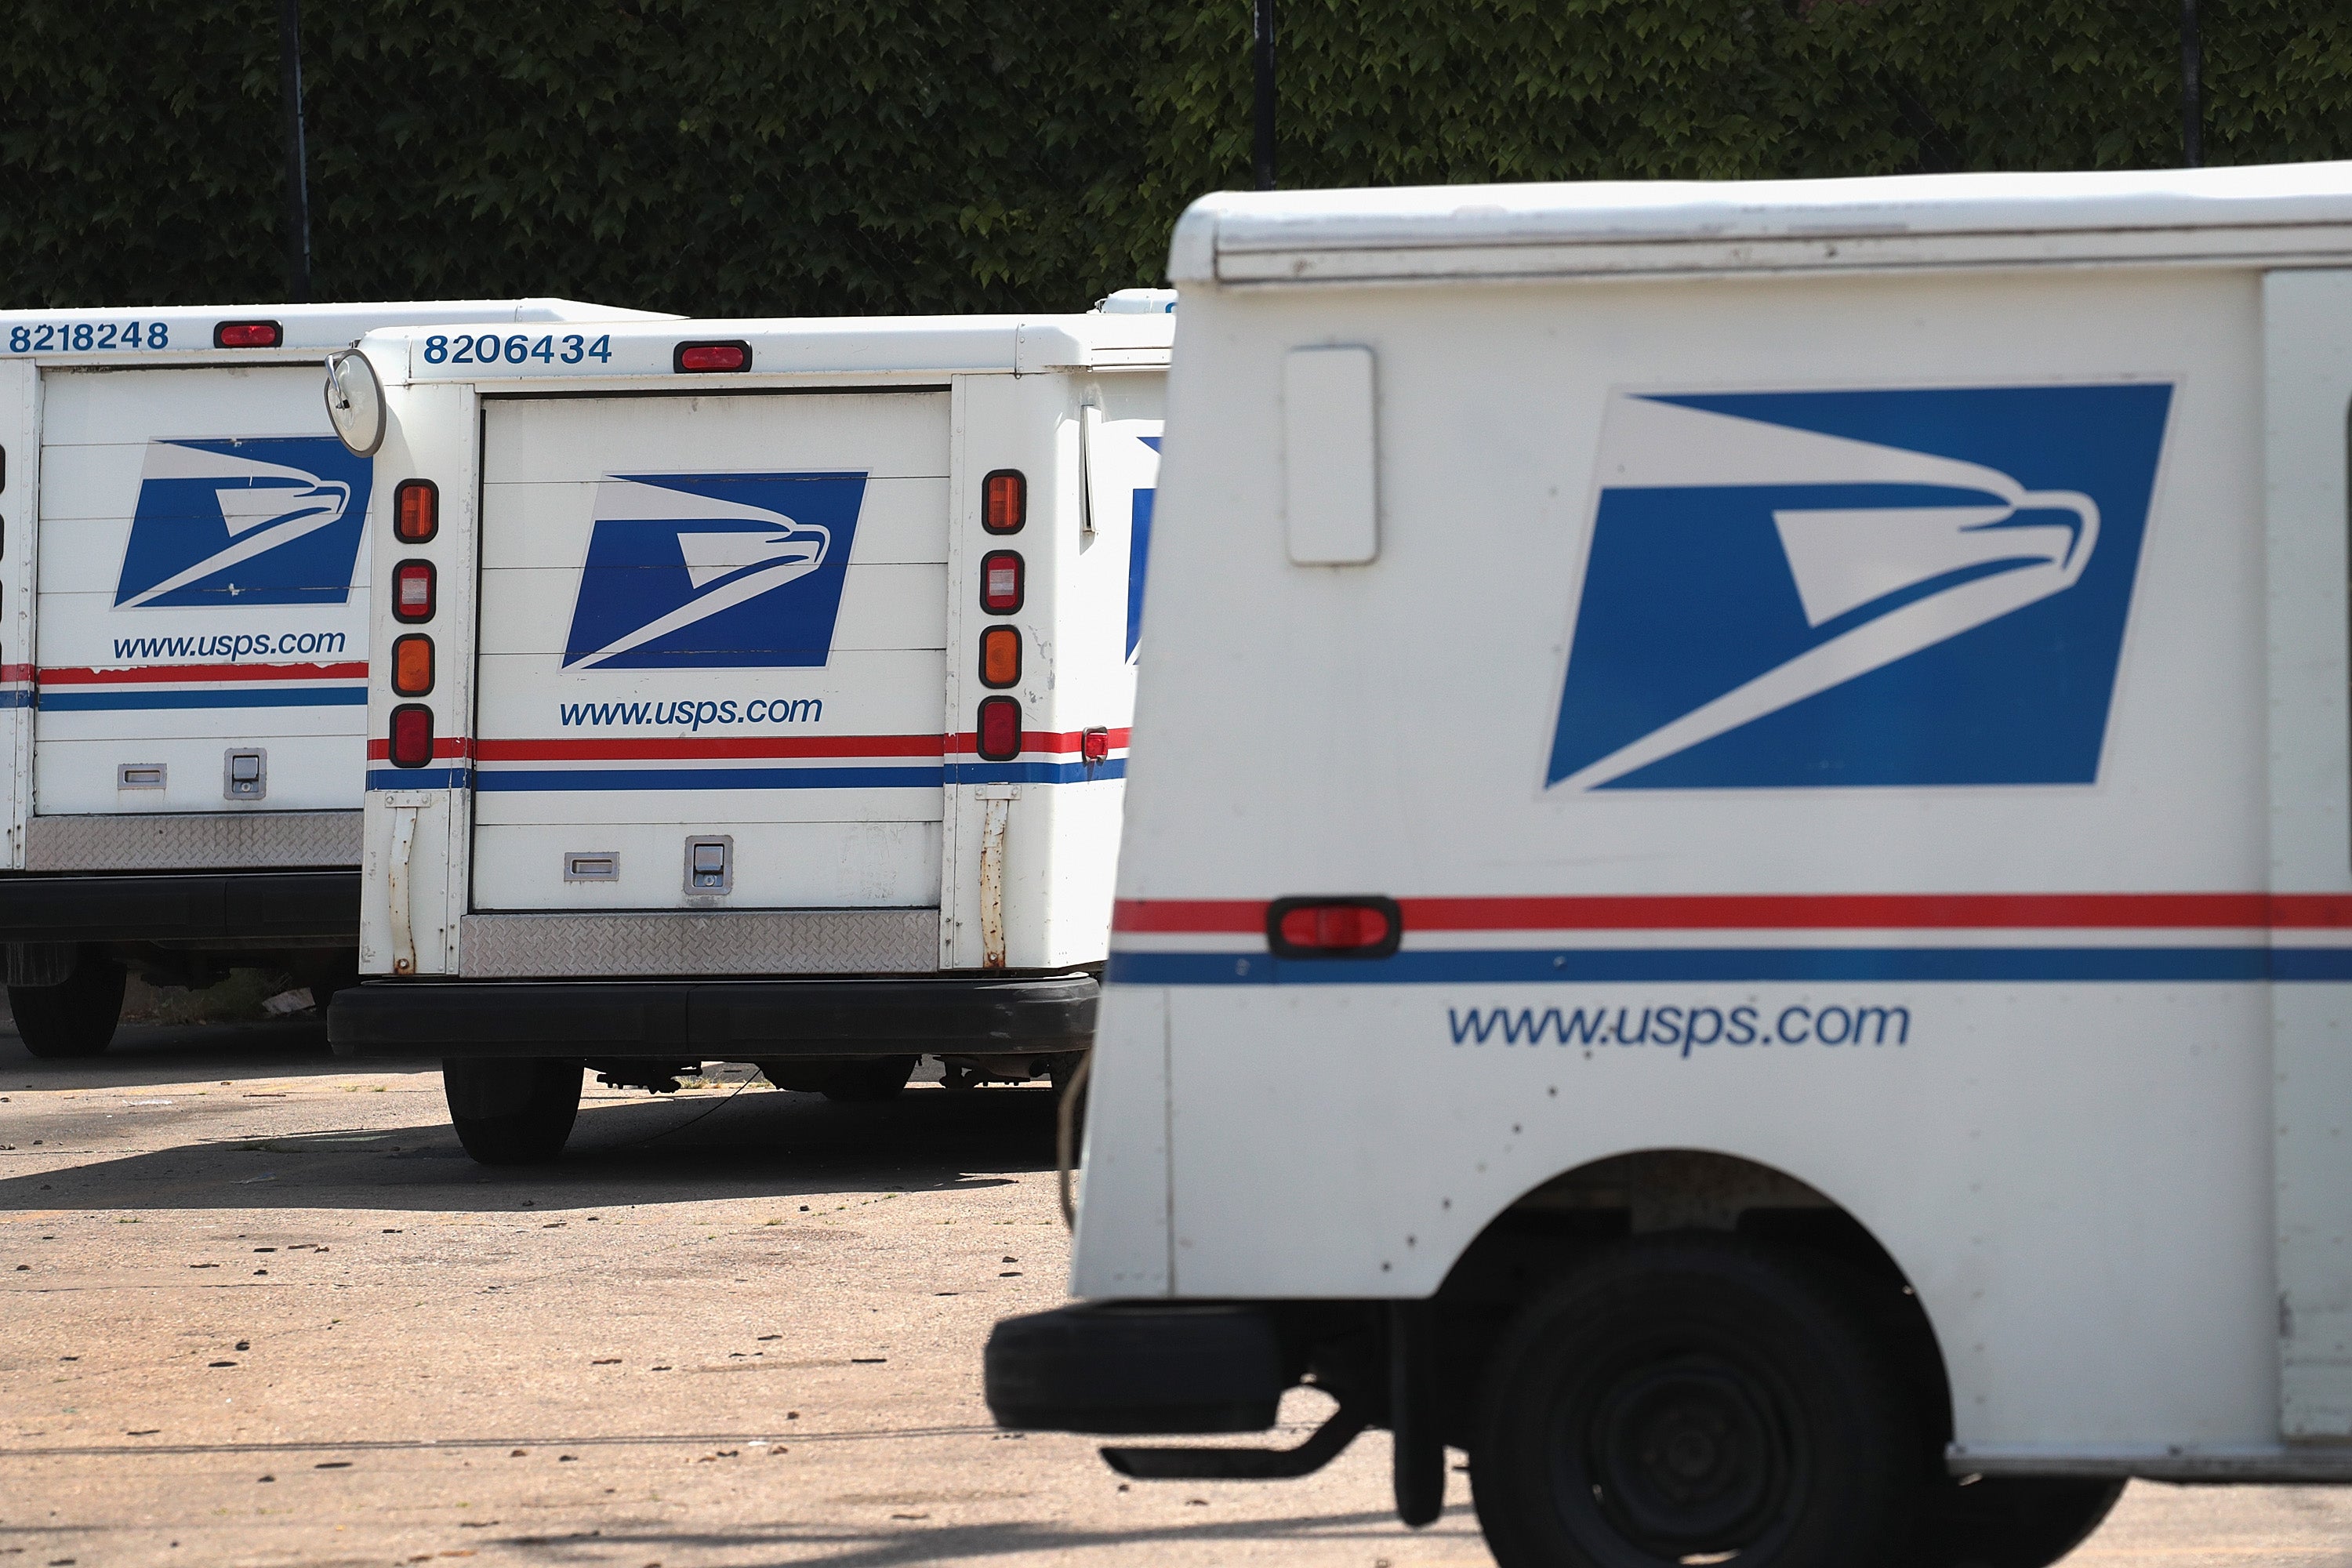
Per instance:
(1004,502)
(1355,927)
(416,510)
(412,592)
(248,335)
(412,735)
(1094,745)
(1000,729)
(711,356)
(1000,585)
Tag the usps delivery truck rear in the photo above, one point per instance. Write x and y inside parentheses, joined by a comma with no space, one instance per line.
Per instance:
(759,694)
(183,648)
(1783,984)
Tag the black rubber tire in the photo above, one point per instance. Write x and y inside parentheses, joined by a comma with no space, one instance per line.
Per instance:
(1063,1073)
(2011,1522)
(513,1111)
(1691,1396)
(867,1082)
(59,1023)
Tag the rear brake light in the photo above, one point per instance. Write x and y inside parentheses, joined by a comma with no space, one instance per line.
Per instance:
(416,510)
(1094,745)
(711,356)
(1000,729)
(999,656)
(1000,582)
(412,591)
(1004,502)
(248,335)
(412,664)
(412,735)
(1364,927)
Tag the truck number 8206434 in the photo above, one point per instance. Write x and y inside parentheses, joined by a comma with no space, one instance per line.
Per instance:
(517,348)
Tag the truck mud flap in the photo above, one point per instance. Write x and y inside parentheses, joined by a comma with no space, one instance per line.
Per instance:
(741,1020)
(246,908)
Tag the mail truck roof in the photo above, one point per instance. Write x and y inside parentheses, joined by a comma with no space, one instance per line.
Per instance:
(852,345)
(128,333)
(2266,213)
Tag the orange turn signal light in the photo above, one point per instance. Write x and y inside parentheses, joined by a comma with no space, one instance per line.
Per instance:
(999,656)
(412,664)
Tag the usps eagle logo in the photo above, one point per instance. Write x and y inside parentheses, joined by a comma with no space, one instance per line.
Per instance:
(714,570)
(1893,587)
(273,519)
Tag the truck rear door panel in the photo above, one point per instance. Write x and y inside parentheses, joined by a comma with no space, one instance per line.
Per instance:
(712,617)
(199,592)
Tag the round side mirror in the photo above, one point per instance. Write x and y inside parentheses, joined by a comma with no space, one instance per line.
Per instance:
(355,400)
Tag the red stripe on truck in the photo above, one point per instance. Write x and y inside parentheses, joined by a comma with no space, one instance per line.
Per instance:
(149,673)
(1819,912)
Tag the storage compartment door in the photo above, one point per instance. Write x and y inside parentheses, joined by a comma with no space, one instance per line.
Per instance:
(203,597)
(2307,330)
(711,672)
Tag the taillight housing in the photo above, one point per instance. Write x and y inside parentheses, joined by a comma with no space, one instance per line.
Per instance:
(1094,745)
(1003,581)
(999,658)
(1350,926)
(412,591)
(248,335)
(1004,502)
(416,512)
(412,735)
(734,355)
(1000,729)
(412,664)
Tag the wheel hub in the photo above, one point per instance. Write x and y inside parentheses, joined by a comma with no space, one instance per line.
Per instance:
(1687,1455)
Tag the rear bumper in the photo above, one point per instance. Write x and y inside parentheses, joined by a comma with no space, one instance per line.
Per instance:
(715,1020)
(239,909)
(1128,1368)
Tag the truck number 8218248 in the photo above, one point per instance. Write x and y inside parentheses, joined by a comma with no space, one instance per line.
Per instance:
(86,337)
(488,348)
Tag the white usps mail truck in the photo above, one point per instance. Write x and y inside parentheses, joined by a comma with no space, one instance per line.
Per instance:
(758,694)
(183,575)
(1792,980)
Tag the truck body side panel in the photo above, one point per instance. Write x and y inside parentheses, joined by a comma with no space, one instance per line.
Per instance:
(1973,938)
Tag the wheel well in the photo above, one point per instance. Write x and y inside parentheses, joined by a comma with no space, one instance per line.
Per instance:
(1554,1227)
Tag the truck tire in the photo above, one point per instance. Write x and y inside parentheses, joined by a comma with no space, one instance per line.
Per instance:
(513,1111)
(75,1019)
(2011,1522)
(1685,1397)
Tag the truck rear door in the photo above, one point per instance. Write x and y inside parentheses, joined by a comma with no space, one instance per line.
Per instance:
(711,656)
(202,619)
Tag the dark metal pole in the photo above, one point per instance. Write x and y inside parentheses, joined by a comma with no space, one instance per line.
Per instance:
(2192,114)
(1263,53)
(298,195)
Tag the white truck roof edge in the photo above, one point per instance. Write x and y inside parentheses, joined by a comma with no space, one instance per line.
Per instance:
(850,345)
(2275,210)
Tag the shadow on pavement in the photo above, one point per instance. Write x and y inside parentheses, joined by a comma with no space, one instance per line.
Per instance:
(185,1053)
(758,1142)
(951,1543)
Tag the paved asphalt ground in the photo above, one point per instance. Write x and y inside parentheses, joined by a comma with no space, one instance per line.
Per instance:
(261,1309)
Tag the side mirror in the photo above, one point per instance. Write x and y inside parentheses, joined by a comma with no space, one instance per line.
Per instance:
(355,400)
